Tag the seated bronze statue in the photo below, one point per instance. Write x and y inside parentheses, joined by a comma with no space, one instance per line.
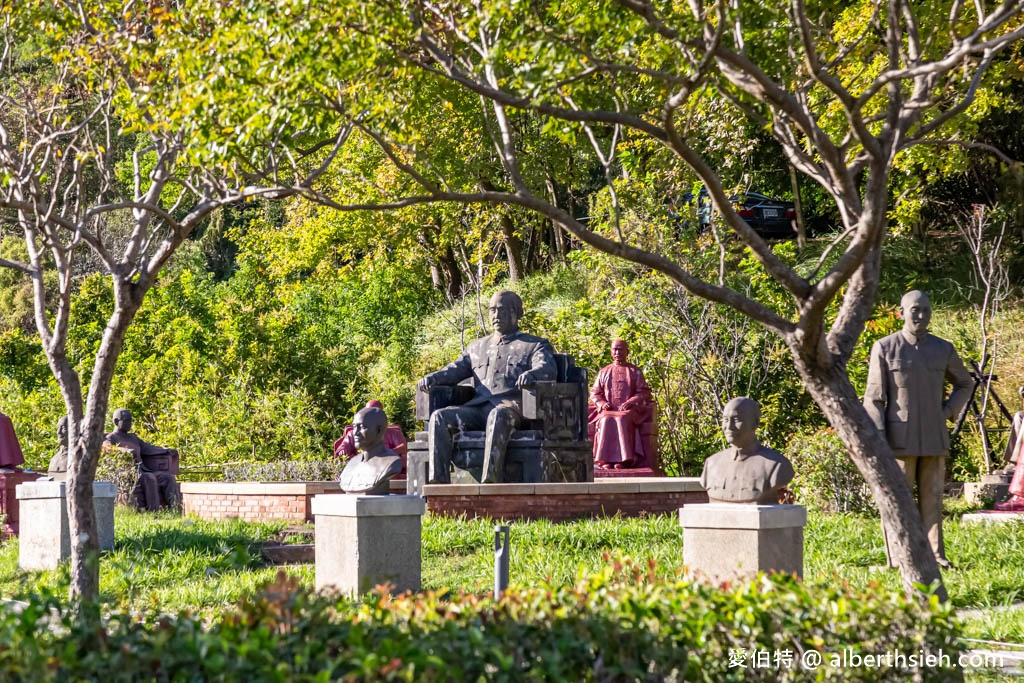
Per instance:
(523,418)
(156,486)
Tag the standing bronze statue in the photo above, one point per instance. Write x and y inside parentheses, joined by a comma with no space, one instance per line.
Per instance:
(621,408)
(501,364)
(746,472)
(905,398)
(370,471)
(156,486)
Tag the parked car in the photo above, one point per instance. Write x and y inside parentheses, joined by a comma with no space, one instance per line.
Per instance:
(768,217)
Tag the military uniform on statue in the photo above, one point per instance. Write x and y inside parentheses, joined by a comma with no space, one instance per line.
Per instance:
(905,399)
(501,364)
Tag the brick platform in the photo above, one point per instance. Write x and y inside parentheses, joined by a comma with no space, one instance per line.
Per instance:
(629,497)
(257,501)
(9,508)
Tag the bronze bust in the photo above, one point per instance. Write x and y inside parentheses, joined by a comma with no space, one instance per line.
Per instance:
(371,470)
(746,472)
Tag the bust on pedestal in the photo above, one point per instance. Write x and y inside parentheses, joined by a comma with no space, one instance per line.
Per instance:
(366,538)
(743,529)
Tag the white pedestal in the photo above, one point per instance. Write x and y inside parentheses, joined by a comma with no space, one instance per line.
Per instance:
(729,541)
(365,541)
(45,540)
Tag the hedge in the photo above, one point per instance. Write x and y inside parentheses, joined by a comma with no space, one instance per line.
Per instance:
(616,625)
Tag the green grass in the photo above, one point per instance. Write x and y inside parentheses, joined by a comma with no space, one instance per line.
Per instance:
(180,563)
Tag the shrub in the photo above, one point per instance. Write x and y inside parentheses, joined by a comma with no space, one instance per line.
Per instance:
(117,465)
(826,478)
(615,625)
(285,470)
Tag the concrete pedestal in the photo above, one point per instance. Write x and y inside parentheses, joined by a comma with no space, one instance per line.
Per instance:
(991,488)
(729,541)
(45,539)
(364,541)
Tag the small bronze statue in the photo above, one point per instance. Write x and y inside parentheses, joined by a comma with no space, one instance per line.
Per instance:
(58,468)
(370,471)
(501,365)
(620,407)
(747,472)
(905,398)
(156,486)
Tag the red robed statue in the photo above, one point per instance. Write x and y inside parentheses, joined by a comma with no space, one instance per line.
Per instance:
(10,450)
(621,414)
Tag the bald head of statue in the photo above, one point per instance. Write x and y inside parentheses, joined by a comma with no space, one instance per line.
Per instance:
(740,420)
(504,310)
(916,311)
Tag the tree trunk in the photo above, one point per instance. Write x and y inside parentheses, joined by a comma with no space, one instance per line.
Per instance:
(556,229)
(832,391)
(513,248)
(85,566)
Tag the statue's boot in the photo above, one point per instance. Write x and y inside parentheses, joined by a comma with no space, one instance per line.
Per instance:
(1014,504)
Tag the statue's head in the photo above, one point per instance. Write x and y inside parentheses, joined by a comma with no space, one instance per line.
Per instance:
(368,428)
(62,430)
(620,351)
(740,419)
(916,311)
(374,403)
(505,309)
(122,420)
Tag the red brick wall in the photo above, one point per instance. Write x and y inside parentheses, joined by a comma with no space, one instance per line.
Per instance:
(559,507)
(248,507)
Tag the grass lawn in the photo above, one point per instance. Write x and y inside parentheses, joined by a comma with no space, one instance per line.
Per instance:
(183,563)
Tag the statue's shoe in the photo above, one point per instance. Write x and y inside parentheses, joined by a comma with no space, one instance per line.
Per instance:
(1014,504)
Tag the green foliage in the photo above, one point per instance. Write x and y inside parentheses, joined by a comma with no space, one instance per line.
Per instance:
(117,466)
(616,624)
(286,470)
(826,479)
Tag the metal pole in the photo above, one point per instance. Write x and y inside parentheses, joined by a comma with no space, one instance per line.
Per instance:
(500,560)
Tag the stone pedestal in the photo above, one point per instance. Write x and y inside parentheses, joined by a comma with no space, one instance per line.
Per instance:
(9,508)
(364,541)
(729,541)
(45,539)
(993,488)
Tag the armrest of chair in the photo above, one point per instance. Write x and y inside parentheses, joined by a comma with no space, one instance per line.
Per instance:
(438,396)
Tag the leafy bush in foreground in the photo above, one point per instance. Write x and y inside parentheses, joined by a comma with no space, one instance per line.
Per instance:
(616,625)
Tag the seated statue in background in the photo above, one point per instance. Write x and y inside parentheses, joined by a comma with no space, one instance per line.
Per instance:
(620,403)
(394,439)
(370,471)
(156,486)
(501,365)
(1013,457)
(58,468)
(746,472)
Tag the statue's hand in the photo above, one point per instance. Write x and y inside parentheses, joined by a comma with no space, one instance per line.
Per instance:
(525,380)
(425,383)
